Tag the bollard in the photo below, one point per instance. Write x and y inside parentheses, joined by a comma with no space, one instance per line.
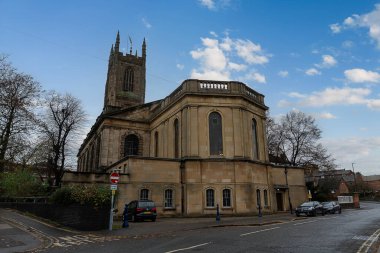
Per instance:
(217,213)
(125,217)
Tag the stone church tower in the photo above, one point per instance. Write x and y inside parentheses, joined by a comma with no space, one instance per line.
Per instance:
(125,84)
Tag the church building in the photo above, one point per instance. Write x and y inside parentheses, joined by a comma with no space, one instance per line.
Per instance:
(202,146)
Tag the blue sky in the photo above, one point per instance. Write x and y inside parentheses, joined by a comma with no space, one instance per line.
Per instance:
(319,57)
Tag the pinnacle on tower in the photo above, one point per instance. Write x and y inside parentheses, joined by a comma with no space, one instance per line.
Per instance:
(144,48)
(117,43)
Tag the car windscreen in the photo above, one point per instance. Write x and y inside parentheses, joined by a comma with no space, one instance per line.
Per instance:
(146,204)
(307,204)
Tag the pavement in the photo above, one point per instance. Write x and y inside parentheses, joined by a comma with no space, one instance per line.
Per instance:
(22,233)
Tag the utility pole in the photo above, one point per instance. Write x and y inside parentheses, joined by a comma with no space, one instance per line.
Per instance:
(353,170)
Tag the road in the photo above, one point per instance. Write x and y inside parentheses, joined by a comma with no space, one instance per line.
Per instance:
(353,231)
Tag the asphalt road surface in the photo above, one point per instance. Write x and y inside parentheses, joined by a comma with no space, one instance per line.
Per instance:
(354,231)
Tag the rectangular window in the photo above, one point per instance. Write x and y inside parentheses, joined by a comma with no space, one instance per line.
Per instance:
(226,198)
(210,198)
(144,194)
(258,197)
(266,197)
(168,198)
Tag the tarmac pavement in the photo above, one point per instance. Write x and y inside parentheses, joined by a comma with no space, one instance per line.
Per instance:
(21,233)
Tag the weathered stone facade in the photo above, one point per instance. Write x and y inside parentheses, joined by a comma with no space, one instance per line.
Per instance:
(203,145)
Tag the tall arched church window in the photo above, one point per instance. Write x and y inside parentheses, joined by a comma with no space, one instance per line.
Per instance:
(156,144)
(176,138)
(131,145)
(215,134)
(128,79)
(255,144)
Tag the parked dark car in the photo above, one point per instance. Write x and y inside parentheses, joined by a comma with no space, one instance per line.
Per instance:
(310,208)
(332,207)
(142,210)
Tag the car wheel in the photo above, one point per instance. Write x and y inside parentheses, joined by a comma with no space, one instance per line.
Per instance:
(323,213)
(314,213)
(297,214)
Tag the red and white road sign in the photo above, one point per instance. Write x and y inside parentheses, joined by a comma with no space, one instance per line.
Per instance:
(114,177)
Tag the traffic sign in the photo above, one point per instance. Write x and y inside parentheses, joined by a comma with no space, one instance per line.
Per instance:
(114,187)
(114,177)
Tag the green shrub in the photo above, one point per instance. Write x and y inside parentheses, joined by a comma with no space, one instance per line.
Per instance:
(82,194)
(21,183)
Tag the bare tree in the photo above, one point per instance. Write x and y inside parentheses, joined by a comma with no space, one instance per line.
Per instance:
(61,124)
(19,94)
(294,141)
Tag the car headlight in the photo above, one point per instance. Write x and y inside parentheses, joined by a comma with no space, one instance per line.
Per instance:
(311,208)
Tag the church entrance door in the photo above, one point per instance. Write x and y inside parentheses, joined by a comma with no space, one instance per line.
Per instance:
(280,202)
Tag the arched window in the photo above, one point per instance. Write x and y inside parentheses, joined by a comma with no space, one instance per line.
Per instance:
(210,200)
(255,148)
(215,133)
(176,138)
(144,194)
(156,144)
(128,79)
(131,145)
(265,197)
(226,198)
(258,197)
(168,198)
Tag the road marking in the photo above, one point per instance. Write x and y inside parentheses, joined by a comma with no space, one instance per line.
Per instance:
(254,232)
(304,222)
(368,243)
(192,247)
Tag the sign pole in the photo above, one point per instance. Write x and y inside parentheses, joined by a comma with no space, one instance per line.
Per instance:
(111,211)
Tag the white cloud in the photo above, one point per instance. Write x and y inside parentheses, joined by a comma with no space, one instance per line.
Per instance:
(362,76)
(210,75)
(335,28)
(370,21)
(325,115)
(296,95)
(214,34)
(328,61)
(250,52)
(210,4)
(180,66)
(146,23)
(255,76)
(312,72)
(236,66)
(332,97)
(283,73)
(362,151)
(221,58)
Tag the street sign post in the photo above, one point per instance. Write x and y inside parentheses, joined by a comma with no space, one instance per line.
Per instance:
(114,178)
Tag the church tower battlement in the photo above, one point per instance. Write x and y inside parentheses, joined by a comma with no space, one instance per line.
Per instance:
(125,85)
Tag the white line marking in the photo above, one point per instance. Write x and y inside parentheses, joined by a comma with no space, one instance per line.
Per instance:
(368,243)
(304,222)
(254,232)
(192,247)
